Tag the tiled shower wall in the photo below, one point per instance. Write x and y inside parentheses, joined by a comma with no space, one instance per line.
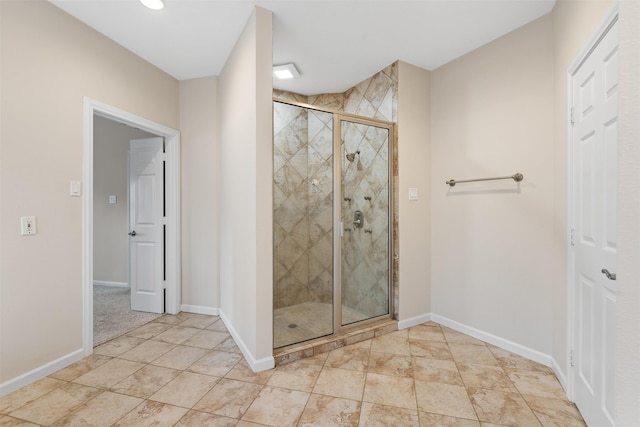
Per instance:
(302,217)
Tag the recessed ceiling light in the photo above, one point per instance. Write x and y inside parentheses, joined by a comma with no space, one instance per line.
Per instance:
(285,71)
(153,4)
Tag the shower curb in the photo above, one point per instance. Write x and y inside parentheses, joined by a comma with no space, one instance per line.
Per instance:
(323,345)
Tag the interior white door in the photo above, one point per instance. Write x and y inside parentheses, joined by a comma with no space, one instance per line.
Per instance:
(595,137)
(146,225)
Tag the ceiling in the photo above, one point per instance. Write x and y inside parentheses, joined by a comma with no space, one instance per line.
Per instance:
(334,44)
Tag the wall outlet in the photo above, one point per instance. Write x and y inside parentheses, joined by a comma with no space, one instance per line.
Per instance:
(28,225)
(413,194)
(113,199)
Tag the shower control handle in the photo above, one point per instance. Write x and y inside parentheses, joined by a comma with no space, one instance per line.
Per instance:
(358,220)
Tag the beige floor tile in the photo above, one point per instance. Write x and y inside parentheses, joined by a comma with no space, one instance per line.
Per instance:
(431,349)
(278,407)
(427,331)
(355,357)
(295,376)
(555,412)
(436,371)
(344,383)
(541,384)
(248,424)
(180,357)
(486,377)
(215,363)
(173,319)
(228,345)
(390,364)
(375,415)
(146,381)
(330,411)
(435,420)
(217,326)
(199,321)
(444,399)
(176,334)
(81,367)
(101,411)
(229,398)
(21,397)
(243,372)
(207,339)
(109,374)
(7,421)
(149,330)
(391,391)
(147,352)
(508,360)
(502,408)
(154,414)
(118,346)
(473,354)
(318,359)
(393,343)
(185,390)
(202,419)
(455,337)
(58,403)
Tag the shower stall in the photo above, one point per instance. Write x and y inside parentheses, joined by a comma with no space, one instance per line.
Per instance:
(332,221)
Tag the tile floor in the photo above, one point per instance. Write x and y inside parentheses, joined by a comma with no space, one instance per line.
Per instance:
(185,370)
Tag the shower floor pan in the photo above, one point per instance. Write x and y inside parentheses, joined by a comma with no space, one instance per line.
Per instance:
(306,321)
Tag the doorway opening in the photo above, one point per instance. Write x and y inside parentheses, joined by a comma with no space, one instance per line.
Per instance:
(96,115)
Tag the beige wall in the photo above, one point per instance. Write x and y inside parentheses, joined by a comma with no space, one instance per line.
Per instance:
(493,116)
(414,171)
(199,141)
(50,61)
(628,339)
(573,24)
(246,193)
(110,177)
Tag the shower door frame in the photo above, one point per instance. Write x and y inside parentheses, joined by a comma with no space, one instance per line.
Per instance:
(338,118)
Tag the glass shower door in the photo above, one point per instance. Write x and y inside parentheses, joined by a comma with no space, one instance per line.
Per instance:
(365,215)
(303,224)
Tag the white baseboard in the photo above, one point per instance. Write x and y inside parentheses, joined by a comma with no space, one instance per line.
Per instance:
(504,344)
(413,321)
(257,365)
(40,372)
(114,284)
(198,309)
(562,377)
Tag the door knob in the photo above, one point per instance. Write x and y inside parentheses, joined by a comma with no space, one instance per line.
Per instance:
(133,233)
(610,276)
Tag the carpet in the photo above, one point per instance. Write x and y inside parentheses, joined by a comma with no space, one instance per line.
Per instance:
(112,314)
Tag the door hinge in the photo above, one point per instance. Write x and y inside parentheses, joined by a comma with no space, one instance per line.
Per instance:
(573,110)
(164,157)
(572,237)
(163,221)
(571,358)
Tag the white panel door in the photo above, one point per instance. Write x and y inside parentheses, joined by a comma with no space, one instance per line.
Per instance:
(595,117)
(146,228)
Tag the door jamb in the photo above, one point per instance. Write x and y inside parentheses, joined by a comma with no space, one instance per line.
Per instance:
(173,283)
(601,30)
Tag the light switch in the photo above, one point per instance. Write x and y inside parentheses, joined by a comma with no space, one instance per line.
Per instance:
(413,194)
(74,189)
(113,199)
(28,225)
